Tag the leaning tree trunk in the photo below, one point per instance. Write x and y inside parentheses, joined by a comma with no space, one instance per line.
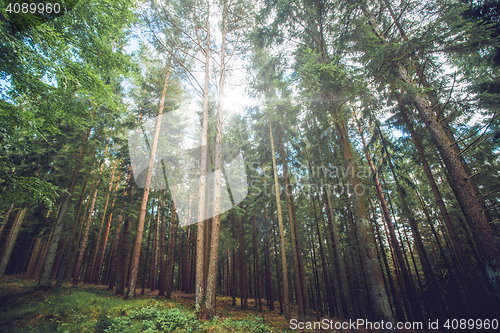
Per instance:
(76,274)
(12,240)
(65,260)
(200,237)
(293,232)
(269,280)
(366,239)
(412,295)
(56,234)
(462,188)
(171,243)
(162,282)
(286,293)
(136,253)
(99,255)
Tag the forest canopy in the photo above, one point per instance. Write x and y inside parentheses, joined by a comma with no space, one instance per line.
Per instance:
(327,158)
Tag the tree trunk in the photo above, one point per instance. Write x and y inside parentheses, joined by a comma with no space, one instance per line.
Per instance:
(200,263)
(104,241)
(293,234)
(114,255)
(14,231)
(163,281)
(269,280)
(171,243)
(76,274)
(123,254)
(242,262)
(367,245)
(65,260)
(6,219)
(412,295)
(146,262)
(154,265)
(462,188)
(140,226)
(171,254)
(210,296)
(257,265)
(286,293)
(54,240)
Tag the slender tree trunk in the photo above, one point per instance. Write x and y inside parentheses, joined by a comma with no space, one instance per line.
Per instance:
(123,254)
(340,283)
(210,297)
(65,260)
(326,281)
(76,274)
(171,243)
(14,231)
(6,219)
(365,235)
(154,269)
(146,262)
(269,280)
(34,258)
(286,293)
(234,276)
(278,275)
(114,255)
(200,264)
(187,260)
(293,234)
(54,240)
(242,259)
(162,279)
(140,226)
(257,265)
(104,241)
(74,252)
(171,255)
(412,295)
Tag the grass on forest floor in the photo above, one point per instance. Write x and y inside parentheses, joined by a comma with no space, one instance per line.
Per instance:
(86,308)
(93,309)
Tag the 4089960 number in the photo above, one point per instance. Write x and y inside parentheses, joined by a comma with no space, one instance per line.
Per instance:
(33,8)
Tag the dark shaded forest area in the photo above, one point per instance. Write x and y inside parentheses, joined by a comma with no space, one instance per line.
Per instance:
(299,160)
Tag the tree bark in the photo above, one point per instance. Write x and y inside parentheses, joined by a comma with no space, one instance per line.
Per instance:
(286,293)
(104,241)
(200,240)
(242,262)
(269,280)
(140,226)
(257,265)
(65,260)
(56,234)
(367,245)
(76,274)
(412,295)
(14,231)
(462,188)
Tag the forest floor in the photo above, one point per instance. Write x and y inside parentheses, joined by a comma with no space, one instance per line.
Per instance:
(88,308)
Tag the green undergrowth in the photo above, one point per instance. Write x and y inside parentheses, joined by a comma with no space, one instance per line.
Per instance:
(90,309)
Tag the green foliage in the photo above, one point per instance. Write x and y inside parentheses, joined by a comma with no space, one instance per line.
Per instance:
(151,319)
(89,309)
